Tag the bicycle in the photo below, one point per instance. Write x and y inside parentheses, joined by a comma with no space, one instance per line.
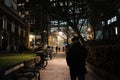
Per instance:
(43,61)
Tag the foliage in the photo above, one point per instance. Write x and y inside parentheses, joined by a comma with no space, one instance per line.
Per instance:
(8,60)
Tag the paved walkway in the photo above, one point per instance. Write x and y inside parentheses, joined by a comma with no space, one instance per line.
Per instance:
(58,70)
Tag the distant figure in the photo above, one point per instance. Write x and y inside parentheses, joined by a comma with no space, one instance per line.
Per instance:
(75,58)
(56,48)
(63,49)
(59,49)
(49,51)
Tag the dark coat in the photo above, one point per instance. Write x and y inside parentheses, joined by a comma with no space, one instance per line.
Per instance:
(76,56)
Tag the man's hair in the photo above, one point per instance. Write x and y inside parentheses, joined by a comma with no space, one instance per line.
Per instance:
(75,38)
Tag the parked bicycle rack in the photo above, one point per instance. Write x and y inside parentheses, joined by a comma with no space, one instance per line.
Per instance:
(23,71)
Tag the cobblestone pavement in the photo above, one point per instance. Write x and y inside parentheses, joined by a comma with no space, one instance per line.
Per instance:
(58,70)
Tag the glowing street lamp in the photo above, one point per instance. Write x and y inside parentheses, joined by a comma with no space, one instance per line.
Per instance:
(89,29)
(60,33)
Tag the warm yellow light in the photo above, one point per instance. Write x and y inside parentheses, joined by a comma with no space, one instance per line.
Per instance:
(44,31)
(31,37)
(89,29)
(60,33)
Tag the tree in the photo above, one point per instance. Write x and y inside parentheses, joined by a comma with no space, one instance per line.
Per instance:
(72,11)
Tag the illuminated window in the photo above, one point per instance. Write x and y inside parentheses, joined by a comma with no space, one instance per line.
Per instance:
(118,11)
(54,4)
(70,3)
(116,30)
(61,4)
(19,13)
(54,22)
(66,3)
(63,23)
(113,19)
(109,22)
(19,4)
(19,31)
(103,23)
(4,22)
(54,29)
(27,0)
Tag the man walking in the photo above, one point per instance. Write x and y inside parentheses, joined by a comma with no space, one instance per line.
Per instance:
(75,58)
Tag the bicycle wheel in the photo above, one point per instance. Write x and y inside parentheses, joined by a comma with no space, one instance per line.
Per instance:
(44,64)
